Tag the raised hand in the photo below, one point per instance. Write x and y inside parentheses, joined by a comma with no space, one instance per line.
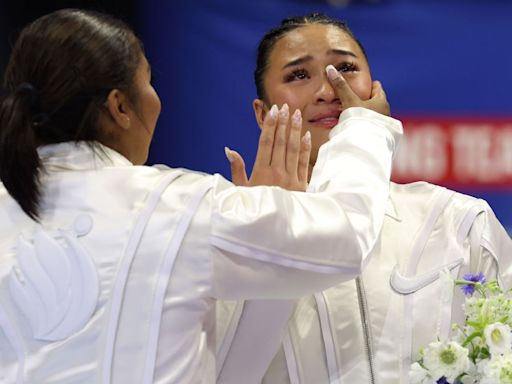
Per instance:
(377,101)
(283,156)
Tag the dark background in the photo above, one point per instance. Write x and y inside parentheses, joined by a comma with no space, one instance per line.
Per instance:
(435,58)
(14,15)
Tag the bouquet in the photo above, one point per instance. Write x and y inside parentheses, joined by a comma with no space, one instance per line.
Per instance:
(481,350)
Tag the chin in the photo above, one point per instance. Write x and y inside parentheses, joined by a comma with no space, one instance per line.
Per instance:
(140,159)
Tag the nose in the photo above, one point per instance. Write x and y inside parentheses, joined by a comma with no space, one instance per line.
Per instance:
(325,92)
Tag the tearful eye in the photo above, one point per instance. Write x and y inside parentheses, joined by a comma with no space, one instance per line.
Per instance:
(297,74)
(347,67)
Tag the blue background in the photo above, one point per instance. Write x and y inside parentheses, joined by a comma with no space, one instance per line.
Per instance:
(438,58)
(435,58)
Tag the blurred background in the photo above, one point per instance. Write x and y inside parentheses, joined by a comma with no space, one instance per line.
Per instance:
(446,66)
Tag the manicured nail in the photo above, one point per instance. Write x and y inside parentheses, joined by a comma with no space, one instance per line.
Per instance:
(307,138)
(227,151)
(332,73)
(273,112)
(297,116)
(284,112)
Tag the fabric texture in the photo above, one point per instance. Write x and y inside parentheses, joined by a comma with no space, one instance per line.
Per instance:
(164,244)
(370,329)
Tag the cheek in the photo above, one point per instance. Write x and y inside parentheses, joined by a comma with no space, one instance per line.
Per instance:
(293,97)
(158,104)
(155,100)
(152,109)
(154,105)
(296,98)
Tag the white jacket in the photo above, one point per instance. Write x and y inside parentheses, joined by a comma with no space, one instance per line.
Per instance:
(117,284)
(370,329)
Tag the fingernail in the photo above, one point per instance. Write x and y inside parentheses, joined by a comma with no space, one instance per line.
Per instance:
(273,112)
(332,73)
(227,151)
(283,113)
(307,138)
(297,116)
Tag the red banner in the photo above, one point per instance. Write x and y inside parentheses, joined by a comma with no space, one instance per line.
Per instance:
(457,152)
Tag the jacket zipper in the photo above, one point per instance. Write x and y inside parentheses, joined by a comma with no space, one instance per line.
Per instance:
(368,340)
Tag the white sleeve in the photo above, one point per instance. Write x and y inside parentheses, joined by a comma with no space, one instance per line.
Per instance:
(270,240)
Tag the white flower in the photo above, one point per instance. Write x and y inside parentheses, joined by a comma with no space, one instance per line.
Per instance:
(498,338)
(498,370)
(446,359)
(447,285)
(472,308)
(491,309)
(472,375)
(487,333)
(419,375)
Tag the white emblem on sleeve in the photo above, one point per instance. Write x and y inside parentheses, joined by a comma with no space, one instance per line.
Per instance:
(55,283)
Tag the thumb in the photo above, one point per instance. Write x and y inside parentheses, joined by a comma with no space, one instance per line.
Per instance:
(342,88)
(377,88)
(377,91)
(378,101)
(238,174)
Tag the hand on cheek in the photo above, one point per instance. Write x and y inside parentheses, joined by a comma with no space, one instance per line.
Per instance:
(377,102)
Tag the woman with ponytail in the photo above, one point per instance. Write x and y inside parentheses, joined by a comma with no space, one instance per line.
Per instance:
(109,269)
(20,164)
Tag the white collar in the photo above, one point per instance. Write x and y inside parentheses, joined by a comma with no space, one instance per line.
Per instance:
(391,209)
(80,156)
(84,155)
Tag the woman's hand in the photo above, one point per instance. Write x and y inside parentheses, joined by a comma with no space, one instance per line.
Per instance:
(377,101)
(283,156)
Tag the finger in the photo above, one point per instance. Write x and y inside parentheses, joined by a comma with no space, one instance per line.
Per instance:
(378,101)
(377,90)
(305,152)
(237,163)
(279,151)
(293,146)
(266,142)
(343,91)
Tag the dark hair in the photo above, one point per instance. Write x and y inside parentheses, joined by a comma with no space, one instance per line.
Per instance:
(289,24)
(61,69)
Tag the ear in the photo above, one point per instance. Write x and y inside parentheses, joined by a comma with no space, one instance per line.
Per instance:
(118,107)
(260,111)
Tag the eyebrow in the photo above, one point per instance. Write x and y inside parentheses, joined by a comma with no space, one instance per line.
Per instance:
(305,59)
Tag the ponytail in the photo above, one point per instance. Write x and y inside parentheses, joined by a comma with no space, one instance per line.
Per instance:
(61,69)
(19,161)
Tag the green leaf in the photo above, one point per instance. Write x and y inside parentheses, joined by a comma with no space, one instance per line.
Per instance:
(471,337)
(484,353)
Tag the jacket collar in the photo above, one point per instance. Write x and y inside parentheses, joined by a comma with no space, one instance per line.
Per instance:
(391,209)
(80,156)
(84,156)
